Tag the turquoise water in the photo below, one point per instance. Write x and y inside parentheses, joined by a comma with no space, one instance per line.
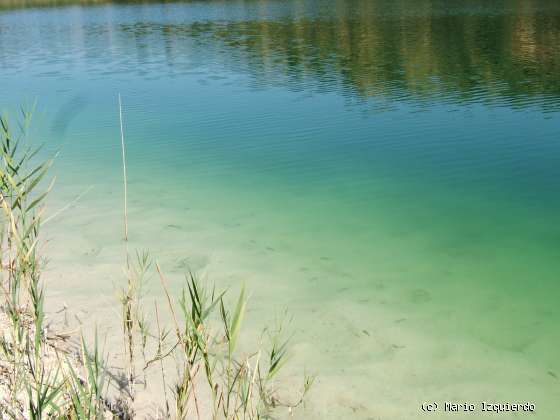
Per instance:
(389,171)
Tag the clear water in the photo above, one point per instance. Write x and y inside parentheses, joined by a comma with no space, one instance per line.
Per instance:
(387,170)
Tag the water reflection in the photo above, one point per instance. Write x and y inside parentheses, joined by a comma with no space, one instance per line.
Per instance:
(452,56)
(423,50)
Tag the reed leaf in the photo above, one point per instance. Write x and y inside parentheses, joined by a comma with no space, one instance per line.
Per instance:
(237,320)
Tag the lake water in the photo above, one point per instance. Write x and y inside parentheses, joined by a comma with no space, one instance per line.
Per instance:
(389,171)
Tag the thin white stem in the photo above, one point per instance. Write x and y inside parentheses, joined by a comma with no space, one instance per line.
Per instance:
(124,172)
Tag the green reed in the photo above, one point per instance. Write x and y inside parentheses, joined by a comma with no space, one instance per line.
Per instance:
(214,379)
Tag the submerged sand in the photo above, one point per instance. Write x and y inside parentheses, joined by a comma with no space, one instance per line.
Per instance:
(379,346)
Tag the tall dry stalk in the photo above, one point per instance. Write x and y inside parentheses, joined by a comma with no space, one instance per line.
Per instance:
(124,174)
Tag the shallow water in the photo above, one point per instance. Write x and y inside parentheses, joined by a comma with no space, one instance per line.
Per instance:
(387,170)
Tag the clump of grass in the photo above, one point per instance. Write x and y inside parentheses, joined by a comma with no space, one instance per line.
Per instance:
(86,391)
(240,386)
(214,379)
(38,385)
(22,290)
(135,325)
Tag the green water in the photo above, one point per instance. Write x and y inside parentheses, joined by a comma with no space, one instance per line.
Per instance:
(387,170)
